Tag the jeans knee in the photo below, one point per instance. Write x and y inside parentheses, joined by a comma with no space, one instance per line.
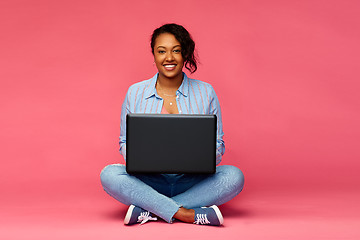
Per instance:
(234,175)
(109,172)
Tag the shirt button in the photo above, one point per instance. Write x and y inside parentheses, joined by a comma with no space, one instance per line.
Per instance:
(180,111)
(177,96)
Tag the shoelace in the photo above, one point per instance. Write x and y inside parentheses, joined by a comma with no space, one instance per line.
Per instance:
(144,217)
(201,219)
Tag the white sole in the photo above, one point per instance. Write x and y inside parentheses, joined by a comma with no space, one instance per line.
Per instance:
(128,214)
(218,214)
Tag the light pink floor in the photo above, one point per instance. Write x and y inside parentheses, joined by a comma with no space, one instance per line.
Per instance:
(255,214)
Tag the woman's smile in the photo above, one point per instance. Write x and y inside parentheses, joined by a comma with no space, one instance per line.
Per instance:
(169,67)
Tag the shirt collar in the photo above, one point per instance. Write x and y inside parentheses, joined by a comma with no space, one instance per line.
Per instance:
(151,90)
(184,87)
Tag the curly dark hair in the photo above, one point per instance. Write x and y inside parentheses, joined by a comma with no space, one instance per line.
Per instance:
(185,40)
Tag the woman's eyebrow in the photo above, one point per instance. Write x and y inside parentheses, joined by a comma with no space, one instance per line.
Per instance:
(172,47)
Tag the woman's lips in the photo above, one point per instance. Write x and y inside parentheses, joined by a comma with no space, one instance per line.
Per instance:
(170,67)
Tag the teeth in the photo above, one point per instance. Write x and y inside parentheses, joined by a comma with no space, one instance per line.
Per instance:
(169,66)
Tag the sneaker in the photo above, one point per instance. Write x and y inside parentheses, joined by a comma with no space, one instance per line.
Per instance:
(137,215)
(208,216)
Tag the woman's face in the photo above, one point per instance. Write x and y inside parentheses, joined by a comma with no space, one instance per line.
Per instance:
(167,56)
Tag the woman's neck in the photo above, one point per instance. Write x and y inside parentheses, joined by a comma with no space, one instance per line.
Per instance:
(170,83)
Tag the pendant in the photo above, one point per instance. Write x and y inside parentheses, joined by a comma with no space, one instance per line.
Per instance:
(170,103)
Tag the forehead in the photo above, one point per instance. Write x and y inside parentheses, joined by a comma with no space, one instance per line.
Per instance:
(166,40)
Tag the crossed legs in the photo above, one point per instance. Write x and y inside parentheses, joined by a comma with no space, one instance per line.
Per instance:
(169,197)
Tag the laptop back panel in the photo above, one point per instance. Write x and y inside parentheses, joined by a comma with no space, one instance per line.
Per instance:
(170,143)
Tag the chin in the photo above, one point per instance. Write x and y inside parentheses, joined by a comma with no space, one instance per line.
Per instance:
(171,75)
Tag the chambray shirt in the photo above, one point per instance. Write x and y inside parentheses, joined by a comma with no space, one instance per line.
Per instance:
(192,97)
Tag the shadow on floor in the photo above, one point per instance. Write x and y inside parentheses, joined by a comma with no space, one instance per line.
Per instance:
(231,211)
(118,214)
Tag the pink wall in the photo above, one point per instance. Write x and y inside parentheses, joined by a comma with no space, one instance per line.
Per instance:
(286,74)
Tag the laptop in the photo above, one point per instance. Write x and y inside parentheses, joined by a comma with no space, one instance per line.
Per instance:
(171,143)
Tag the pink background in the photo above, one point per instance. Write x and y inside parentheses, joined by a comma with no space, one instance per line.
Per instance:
(286,74)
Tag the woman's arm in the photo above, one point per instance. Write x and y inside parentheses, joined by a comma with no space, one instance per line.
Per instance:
(215,109)
(124,111)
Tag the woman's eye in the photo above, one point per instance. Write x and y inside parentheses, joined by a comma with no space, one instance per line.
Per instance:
(161,51)
(177,50)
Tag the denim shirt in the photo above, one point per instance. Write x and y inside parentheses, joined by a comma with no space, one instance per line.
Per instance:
(192,97)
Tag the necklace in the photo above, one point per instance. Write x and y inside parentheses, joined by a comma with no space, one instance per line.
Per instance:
(162,91)
(167,95)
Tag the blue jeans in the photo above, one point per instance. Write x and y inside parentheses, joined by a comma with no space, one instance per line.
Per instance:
(164,194)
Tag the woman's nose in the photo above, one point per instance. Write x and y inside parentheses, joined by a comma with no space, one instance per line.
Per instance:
(169,56)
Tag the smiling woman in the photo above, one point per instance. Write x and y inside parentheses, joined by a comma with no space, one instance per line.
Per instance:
(172,47)
(172,196)
(169,62)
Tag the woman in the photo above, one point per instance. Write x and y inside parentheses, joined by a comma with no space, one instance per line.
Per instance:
(172,196)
